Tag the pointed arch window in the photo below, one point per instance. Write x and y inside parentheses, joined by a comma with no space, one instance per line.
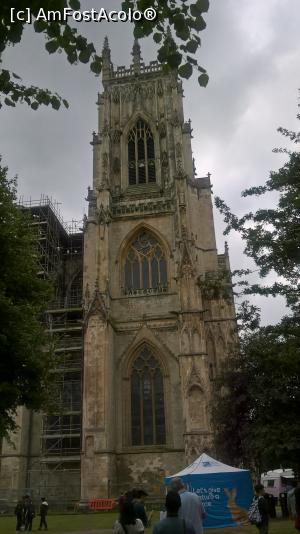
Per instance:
(147,400)
(141,155)
(145,265)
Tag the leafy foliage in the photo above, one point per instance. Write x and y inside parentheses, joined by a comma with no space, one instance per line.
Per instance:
(258,399)
(183,18)
(24,363)
(258,389)
(272,236)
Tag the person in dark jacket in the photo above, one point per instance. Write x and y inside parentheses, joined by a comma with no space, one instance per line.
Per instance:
(29,512)
(43,513)
(263,526)
(19,513)
(139,506)
(297,498)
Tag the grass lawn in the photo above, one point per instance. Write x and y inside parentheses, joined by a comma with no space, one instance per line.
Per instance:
(86,522)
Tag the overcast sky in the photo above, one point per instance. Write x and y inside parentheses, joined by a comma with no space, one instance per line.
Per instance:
(251,50)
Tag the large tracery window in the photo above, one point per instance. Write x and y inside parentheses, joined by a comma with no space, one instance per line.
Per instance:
(147,400)
(145,265)
(141,158)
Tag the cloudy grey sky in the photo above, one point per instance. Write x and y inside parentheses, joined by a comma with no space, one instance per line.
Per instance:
(251,50)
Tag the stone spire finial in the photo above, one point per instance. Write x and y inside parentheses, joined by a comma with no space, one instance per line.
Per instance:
(106,61)
(106,44)
(136,54)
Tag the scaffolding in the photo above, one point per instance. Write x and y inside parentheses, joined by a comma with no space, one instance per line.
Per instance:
(60,251)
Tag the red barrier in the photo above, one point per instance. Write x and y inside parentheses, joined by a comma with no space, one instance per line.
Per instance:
(102,504)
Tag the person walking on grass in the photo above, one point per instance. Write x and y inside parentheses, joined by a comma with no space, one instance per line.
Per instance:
(263,526)
(43,513)
(29,512)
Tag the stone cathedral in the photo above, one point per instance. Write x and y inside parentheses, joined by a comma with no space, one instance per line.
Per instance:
(151,338)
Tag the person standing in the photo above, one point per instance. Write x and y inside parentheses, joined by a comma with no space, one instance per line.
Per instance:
(263,526)
(191,505)
(172,524)
(43,513)
(127,522)
(297,506)
(291,500)
(29,512)
(19,513)
(139,506)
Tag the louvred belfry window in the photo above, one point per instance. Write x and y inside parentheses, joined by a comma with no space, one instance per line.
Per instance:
(145,265)
(141,157)
(147,400)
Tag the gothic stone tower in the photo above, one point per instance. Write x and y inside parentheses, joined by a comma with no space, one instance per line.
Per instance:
(152,341)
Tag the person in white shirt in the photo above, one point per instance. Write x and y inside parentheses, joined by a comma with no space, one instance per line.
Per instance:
(191,506)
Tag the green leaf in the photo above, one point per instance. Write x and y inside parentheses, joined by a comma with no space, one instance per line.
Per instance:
(203,80)
(66,103)
(202,5)
(55,102)
(157,37)
(185,71)
(138,32)
(81,42)
(183,33)
(52,46)
(72,56)
(39,26)
(201,69)
(14,33)
(4,76)
(198,23)
(9,102)
(174,60)
(34,105)
(96,67)
(192,46)
(53,29)
(74,4)
(84,56)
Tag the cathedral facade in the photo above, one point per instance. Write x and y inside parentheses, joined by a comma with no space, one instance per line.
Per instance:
(141,340)
(152,342)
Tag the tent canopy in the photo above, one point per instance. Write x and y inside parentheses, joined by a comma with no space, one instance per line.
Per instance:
(205,465)
(226,492)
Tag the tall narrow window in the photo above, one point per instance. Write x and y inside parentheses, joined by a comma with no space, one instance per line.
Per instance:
(145,265)
(147,400)
(141,156)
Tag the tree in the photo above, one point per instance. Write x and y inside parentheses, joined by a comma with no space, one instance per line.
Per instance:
(24,362)
(258,388)
(272,236)
(174,26)
(258,399)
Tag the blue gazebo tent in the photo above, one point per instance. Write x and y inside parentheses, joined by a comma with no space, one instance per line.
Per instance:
(226,492)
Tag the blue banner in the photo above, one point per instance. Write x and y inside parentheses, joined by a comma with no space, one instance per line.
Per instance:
(226,497)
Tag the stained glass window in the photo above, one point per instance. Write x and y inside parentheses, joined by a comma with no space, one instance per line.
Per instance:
(147,400)
(141,156)
(145,265)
